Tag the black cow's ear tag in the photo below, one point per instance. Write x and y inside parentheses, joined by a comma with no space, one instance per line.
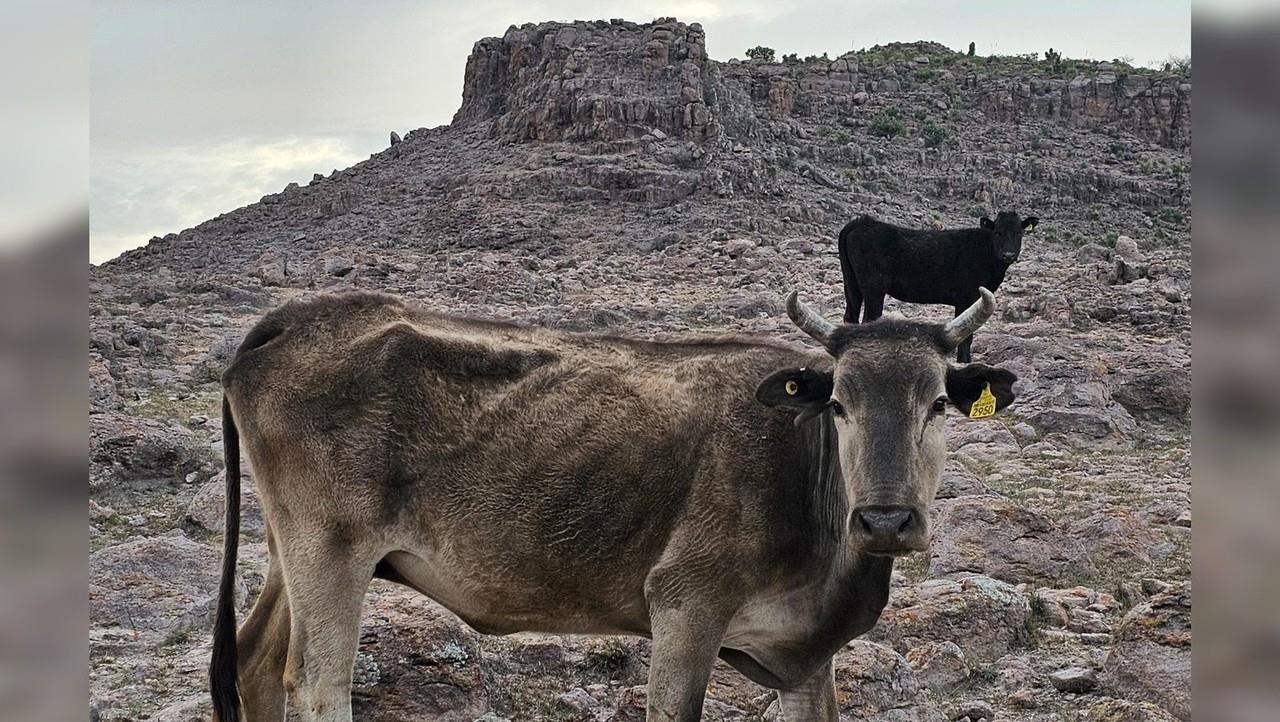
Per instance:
(985,406)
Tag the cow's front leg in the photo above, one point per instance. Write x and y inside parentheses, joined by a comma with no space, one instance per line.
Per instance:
(686,640)
(813,701)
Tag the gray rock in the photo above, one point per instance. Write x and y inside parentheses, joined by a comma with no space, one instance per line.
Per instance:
(739,247)
(874,682)
(338,265)
(940,666)
(103,392)
(996,536)
(577,700)
(207,507)
(973,710)
(272,268)
(1151,658)
(1122,539)
(1074,679)
(144,450)
(157,584)
(983,616)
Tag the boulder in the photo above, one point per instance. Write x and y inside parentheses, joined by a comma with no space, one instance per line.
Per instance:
(1151,658)
(272,268)
(207,508)
(1155,393)
(139,449)
(211,366)
(996,536)
(158,584)
(940,666)
(1074,679)
(430,665)
(874,682)
(985,617)
(1130,265)
(1118,537)
(103,392)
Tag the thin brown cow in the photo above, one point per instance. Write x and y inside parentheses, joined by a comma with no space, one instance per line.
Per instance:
(732,497)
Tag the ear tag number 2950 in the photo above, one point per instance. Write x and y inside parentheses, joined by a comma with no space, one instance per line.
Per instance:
(985,406)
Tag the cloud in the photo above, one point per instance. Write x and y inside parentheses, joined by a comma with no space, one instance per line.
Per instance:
(137,194)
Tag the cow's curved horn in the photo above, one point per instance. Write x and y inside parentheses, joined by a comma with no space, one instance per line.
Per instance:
(808,319)
(964,325)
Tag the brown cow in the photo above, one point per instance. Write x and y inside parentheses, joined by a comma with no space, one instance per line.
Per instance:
(733,497)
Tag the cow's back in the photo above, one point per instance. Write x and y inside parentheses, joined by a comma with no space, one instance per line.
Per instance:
(918,266)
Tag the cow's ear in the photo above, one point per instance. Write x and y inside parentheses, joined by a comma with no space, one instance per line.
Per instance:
(986,223)
(968,384)
(795,388)
(1029,224)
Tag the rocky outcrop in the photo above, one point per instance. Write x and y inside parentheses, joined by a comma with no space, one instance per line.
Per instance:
(601,81)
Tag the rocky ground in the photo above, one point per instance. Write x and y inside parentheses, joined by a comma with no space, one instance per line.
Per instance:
(609,176)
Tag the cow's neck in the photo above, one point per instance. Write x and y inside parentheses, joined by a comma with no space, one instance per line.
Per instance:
(855,593)
(855,586)
(998,269)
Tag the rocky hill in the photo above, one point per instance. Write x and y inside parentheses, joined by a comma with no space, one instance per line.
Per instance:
(610,176)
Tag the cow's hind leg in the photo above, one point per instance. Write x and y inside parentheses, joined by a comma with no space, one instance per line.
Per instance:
(813,701)
(873,305)
(326,578)
(263,647)
(852,291)
(852,299)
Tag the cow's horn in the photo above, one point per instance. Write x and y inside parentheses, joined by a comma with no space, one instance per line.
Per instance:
(809,320)
(964,325)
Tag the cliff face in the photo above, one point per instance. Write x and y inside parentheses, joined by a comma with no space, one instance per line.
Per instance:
(590,81)
(608,176)
(617,80)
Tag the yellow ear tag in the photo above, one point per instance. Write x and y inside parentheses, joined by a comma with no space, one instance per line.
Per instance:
(985,405)
(792,388)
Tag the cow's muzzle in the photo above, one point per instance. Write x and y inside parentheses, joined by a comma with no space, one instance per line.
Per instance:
(890,530)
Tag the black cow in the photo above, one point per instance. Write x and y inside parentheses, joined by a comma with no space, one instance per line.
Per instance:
(918,266)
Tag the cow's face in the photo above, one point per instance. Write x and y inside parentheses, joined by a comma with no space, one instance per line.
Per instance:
(1006,234)
(887,398)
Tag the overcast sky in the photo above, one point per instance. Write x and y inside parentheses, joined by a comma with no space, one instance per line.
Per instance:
(198,108)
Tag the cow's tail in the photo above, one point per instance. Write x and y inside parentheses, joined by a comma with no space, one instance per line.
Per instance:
(222,665)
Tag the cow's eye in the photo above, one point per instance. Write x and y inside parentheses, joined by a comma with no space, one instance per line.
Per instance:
(837,408)
(940,405)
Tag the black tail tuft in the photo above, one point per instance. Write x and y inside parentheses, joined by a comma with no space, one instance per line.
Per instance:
(222,665)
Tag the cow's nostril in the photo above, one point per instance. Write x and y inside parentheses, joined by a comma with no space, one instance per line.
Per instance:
(906,522)
(865,523)
(885,521)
